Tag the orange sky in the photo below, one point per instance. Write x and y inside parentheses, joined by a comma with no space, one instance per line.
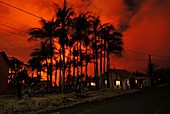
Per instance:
(144,23)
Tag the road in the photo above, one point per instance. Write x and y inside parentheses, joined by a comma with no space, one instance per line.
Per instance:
(155,101)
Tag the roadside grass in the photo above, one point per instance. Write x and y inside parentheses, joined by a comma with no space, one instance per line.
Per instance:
(31,105)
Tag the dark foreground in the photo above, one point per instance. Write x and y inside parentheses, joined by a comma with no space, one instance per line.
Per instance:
(155,101)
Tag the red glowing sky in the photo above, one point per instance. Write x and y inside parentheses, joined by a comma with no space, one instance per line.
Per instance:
(144,23)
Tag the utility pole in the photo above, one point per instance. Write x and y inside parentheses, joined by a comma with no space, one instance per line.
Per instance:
(150,69)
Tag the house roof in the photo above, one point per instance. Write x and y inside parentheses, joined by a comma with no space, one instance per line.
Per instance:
(3,54)
(124,73)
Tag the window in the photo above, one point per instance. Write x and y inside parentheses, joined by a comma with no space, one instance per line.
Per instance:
(93,84)
(117,83)
(105,82)
(136,81)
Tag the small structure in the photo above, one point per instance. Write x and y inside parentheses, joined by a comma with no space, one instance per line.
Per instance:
(4,71)
(118,79)
(143,81)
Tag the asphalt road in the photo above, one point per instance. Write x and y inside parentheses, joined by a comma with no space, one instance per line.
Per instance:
(155,101)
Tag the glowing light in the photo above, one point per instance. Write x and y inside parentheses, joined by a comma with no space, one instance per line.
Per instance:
(117,83)
(105,82)
(93,84)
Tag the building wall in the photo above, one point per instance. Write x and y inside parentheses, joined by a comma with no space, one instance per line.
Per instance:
(4,73)
(113,77)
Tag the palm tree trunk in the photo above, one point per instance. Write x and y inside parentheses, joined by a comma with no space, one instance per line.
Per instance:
(51,67)
(60,71)
(77,60)
(93,41)
(108,65)
(96,54)
(101,84)
(81,69)
(70,63)
(104,68)
(74,68)
(55,77)
(74,64)
(63,68)
(86,65)
(47,74)
(37,73)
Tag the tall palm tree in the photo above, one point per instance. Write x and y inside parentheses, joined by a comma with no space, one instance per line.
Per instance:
(103,33)
(42,54)
(35,64)
(70,61)
(88,56)
(97,45)
(47,33)
(96,24)
(113,45)
(64,19)
(82,27)
(56,68)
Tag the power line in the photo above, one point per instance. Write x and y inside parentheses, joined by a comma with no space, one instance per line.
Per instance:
(12,32)
(3,18)
(141,53)
(161,56)
(15,25)
(12,27)
(137,52)
(20,9)
(161,60)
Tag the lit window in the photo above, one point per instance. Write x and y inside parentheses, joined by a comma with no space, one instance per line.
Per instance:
(136,81)
(93,84)
(117,83)
(105,81)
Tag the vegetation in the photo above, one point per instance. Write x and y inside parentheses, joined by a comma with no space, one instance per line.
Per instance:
(71,41)
(39,104)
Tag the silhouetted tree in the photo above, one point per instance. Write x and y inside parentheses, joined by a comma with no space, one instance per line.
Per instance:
(95,27)
(47,32)
(16,65)
(82,27)
(38,57)
(64,19)
(114,45)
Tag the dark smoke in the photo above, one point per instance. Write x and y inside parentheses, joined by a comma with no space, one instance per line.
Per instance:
(133,7)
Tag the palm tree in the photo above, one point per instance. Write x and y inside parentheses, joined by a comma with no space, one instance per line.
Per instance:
(41,54)
(88,56)
(70,61)
(47,33)
(114,45)
(82,27)
(103,33)
(64,19)
(97,45)
(35,64)
(56,68)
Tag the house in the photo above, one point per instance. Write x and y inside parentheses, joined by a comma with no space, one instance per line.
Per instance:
(143,81)
(118,79)
(4,71)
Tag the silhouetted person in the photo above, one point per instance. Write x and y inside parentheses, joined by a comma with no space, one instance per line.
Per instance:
(18,85)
